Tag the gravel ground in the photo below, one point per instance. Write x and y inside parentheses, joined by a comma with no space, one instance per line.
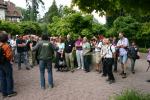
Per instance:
(78,85)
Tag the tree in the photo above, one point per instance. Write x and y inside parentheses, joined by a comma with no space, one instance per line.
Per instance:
(115,8)
(25,13)
(29,27)
(53,11)
(128,25)
(34,5)
(109,6)
(76,24)
(9,27)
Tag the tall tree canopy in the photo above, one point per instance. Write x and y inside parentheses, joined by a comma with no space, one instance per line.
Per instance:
(34,5)
(53,11)
(111,6)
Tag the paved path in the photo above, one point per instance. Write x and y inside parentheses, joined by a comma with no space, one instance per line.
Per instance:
(78,85)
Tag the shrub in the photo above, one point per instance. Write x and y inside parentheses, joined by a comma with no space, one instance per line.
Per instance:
(132,95)
(143,50)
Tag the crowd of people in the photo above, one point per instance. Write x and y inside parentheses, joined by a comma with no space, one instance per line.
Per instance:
(66,54)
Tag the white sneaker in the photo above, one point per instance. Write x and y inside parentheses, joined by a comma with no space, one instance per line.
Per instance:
(78,68)
(82,68)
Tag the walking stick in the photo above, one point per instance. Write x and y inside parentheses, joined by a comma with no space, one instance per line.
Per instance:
(148,68)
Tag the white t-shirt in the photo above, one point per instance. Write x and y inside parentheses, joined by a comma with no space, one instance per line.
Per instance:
(109,51)
(61,47)
(99,46)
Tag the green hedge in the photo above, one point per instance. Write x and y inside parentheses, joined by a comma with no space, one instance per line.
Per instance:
(143,50)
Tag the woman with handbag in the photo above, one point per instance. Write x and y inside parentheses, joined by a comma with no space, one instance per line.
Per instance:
(133,54)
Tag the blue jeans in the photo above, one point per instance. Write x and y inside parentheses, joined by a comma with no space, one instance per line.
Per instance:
(123,58)
(46,65)
(7,83)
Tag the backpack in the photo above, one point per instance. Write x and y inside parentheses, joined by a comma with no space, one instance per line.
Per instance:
(132,53)
(2,56)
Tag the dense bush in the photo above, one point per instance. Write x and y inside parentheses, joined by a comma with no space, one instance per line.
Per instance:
(128,25)
(76,24)
(10,27)
(20,28)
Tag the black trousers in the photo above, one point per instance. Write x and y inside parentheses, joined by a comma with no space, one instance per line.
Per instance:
(87,59)
(115,63)
(107,67)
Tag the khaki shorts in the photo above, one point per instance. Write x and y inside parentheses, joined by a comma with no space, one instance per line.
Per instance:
(97,57)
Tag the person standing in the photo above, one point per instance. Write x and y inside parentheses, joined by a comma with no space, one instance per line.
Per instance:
(60,59)
(86,54)
(69,49)
(114,42)
(32,54)
(79,53)
(45,56)
(123,44)
(109,60)
(21,52)
(102,53)
(98,46)
(133,54)
(6,70)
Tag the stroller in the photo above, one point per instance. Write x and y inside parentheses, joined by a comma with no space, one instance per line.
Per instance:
(60,64)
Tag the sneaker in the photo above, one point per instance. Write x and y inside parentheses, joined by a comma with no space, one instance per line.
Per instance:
(79,68)
(100,71)
(43,88)
(12,94)
(82,68)
(124,75)
(27,68)
(51,86)
(111,81)
(72,71)
(133,72)
(148,81)
(103,75)
(107,80)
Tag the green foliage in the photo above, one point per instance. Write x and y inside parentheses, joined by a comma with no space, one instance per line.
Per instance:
(53,11)
(25,13)
(143,50)
(132,95)
(98,29)
(111,6)
(128,25)
(33,6)
(30,28)
(75,24)
(20,28)
(10,27)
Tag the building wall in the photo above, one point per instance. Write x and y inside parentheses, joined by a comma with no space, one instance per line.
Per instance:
(2,14)
(13,19)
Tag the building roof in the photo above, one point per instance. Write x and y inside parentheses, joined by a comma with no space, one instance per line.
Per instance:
(11,10)
(3,5)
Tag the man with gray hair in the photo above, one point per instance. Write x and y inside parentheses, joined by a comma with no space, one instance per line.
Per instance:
(122,45)
(69,48)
